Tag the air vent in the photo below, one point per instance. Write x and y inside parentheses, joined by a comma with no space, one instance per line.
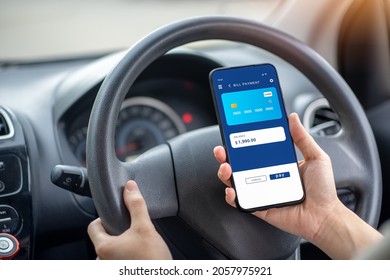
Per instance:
(320,119)
(6,128)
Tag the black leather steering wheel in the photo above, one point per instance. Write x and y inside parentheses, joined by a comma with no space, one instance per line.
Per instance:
(179,178)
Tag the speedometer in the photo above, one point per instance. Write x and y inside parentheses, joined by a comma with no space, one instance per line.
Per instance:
(143,122)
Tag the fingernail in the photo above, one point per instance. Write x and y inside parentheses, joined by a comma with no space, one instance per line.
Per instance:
(131,185)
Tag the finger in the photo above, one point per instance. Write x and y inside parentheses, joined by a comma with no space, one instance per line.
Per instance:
(305,143)
(96,232)
(136,205)
(220,154)
(224,174)
(230,197)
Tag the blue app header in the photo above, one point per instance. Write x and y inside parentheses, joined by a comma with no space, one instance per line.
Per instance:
(250,106)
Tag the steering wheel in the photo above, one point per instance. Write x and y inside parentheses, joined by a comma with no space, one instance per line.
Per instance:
(179,178)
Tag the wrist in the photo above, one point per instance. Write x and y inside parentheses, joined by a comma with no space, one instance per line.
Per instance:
(324,220)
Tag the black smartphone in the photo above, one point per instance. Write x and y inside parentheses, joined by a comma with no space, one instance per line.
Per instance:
(255,132)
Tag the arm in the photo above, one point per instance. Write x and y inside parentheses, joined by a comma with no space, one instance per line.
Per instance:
(343,235)
(321,219)
(140,242)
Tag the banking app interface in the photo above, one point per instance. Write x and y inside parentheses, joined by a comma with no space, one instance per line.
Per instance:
(257,137)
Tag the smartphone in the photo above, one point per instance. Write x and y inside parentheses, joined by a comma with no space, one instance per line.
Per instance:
(255,132)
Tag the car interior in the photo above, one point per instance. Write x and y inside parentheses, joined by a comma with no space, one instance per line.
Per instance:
(74,127)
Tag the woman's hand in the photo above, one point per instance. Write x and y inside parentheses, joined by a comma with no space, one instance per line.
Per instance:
(141,241)
(316,217)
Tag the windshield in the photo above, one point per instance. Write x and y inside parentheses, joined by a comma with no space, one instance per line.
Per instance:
(56,29)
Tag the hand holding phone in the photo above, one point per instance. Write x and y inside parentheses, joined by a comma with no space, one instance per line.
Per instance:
(256,136)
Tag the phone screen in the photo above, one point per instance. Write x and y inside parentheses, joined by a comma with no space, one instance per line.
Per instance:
(256,136)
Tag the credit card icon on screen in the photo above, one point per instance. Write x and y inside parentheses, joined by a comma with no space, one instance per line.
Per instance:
(250,106)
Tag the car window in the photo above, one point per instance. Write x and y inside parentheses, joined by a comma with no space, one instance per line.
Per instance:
(52,29)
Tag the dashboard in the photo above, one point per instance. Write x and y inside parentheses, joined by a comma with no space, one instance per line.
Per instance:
(167,100)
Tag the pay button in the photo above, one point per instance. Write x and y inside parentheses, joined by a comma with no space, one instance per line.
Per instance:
(279,175)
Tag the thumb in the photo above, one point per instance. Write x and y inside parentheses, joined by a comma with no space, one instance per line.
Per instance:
(303,140)
(136,205)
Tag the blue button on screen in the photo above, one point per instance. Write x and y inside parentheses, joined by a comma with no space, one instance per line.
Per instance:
(279,175)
